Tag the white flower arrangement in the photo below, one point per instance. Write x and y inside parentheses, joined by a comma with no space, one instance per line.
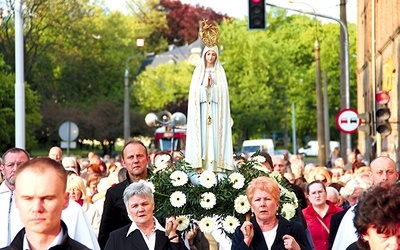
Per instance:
(242,205)
(208,179)
(237,180)
(177,199)
(183,222)
(216,203)
(230,223)
(179,178)
(208,200)
(207,224)
(161,163)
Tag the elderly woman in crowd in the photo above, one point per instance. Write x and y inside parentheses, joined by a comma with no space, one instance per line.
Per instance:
(145,232)
(353,189)
(77,192)
(377,219)
(318,214)
(350,192)
(266,229)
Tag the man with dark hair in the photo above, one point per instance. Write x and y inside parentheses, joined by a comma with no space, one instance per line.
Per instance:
(40,196)
(135,159)
(377,218)
(11,159)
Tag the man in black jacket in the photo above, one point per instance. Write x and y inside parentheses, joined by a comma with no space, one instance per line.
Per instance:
(40,196)
(135,159)
(65,242)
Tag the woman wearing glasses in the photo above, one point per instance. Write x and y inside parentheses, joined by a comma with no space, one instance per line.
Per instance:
(318,214)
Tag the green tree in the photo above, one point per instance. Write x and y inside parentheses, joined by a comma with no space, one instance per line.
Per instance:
(7,110)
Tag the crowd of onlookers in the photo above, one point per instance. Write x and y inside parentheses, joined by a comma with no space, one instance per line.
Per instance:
(328,198)
(332,191)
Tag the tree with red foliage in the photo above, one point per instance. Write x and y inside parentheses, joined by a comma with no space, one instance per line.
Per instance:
(183,20)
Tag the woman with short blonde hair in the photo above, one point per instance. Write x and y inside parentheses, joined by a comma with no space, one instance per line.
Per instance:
(77,192)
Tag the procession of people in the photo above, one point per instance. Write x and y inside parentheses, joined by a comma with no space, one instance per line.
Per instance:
(56,202)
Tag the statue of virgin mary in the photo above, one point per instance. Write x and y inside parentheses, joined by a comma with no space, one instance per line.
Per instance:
(209,135)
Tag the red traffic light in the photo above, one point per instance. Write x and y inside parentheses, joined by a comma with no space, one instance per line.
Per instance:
(257,18)
(382,97)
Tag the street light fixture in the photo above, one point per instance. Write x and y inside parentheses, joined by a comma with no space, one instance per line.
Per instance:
(346,58)
(164,118)
(322,144)
(127,118)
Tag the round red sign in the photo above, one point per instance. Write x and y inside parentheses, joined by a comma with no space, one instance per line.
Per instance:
(347,120)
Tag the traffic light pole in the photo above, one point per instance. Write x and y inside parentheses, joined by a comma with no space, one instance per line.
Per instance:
(346,58)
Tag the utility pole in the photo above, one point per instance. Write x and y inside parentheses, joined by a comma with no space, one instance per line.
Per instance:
(20,129)
(320,108)
(344,63)
(328,148)
(343,102)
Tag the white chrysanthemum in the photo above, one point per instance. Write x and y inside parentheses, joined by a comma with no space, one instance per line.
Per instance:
(208,200)
(177,199)
(242,205)
(259,158)
(183,222)
(179,178)
(149,184)
(262,168)
(230,224)
(162,161)
(288,211)
(208,179)
(207,224)
(237,179)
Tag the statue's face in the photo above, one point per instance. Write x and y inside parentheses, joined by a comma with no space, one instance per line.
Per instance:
(210,57)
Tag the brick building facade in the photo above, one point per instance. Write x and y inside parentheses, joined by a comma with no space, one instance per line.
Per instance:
(379,19)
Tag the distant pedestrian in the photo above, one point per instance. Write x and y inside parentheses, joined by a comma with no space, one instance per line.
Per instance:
(55,153)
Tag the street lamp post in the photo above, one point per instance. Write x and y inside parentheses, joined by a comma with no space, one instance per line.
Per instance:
(20,129)
(346,58)
(127,118)
(322,142)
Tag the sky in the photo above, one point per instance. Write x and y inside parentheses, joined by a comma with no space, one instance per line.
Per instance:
(239,8)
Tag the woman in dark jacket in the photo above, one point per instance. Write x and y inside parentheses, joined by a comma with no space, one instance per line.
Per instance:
(266,230)
(145,232)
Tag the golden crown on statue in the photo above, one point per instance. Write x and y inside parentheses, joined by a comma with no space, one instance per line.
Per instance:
(209,33)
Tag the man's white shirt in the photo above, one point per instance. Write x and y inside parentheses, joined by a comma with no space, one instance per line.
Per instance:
(346,234)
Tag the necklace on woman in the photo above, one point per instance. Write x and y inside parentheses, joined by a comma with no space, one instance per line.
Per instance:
(152,230)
